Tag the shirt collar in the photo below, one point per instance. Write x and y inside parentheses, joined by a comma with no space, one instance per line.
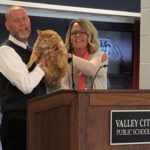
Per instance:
(14,40)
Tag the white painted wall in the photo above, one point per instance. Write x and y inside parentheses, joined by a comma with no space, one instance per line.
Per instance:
(144,82)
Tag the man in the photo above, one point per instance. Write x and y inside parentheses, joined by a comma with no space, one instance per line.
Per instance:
(17,83)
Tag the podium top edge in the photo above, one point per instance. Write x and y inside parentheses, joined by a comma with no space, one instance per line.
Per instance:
(93,91)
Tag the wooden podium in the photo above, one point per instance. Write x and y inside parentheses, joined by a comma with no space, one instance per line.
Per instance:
(80,120)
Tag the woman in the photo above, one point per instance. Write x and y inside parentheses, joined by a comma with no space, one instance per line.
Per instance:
(83,46)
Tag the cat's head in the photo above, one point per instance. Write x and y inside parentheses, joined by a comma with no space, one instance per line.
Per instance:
(48,38)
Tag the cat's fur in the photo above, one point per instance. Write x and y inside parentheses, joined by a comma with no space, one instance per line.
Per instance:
(57,66)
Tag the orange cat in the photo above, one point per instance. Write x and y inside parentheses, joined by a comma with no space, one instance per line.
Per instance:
(57,66)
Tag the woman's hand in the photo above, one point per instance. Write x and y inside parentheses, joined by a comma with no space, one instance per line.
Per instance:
(53,51)
(104,57)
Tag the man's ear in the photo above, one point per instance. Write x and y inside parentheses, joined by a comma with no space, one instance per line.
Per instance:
(7,26)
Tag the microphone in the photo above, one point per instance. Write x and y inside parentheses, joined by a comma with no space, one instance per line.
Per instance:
(91,87)
(70,60)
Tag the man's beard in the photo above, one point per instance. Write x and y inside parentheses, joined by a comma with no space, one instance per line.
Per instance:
(23,36)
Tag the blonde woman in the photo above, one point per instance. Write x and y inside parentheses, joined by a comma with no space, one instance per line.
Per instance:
(83,47)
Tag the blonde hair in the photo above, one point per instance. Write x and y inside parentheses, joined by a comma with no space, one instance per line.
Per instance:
(93,42)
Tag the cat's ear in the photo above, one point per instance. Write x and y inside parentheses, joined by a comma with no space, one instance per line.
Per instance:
(39,31)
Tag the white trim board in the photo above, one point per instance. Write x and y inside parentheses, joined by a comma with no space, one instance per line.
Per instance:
(70,12)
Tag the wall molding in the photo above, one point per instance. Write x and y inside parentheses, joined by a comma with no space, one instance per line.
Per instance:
(69,12)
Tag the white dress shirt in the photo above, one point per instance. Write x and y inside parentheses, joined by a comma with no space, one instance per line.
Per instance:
(15,70)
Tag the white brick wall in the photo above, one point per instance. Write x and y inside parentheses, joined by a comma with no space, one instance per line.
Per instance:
(144,82)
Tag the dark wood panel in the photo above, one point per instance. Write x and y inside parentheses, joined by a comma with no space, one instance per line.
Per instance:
(122,98)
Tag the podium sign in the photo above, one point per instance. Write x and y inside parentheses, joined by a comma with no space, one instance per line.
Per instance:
(130,127)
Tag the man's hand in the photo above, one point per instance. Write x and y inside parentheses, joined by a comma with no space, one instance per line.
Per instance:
(42,62)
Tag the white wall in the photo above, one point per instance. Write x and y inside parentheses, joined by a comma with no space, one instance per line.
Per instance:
(144,82)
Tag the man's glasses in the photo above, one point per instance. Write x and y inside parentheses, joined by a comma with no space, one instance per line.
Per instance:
(81,33)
